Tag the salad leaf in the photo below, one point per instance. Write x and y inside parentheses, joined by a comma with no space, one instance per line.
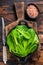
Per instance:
(22,41)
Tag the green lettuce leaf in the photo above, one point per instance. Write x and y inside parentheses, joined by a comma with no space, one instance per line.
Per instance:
(22,41)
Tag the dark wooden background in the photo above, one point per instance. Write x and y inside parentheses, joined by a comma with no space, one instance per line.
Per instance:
(7,10)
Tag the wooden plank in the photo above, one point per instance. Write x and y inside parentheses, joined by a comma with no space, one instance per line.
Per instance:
(40,6)
(1,54)
(41,57)
(10,26)
(39,63)
(1,44)
(19,9)
(36,2)
(9,18)
(41,38)
(4,10)
(0,38)
(1,63)
(40,23)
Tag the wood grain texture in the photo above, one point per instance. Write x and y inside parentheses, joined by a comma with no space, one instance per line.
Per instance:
(19,9)
(10,16)
(10,26)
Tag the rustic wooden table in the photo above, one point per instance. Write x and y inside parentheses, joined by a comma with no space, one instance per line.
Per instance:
(11,11)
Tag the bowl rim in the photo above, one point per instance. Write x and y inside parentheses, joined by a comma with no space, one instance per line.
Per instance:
(35,6)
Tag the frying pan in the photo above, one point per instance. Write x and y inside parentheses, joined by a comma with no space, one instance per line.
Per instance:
(22,60)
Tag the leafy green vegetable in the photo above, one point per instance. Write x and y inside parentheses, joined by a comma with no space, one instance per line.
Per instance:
(22,41)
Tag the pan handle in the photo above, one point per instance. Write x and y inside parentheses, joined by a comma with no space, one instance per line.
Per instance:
(22,22)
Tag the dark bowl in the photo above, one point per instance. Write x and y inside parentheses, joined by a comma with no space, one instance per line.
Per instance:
(35,7)
(24,59)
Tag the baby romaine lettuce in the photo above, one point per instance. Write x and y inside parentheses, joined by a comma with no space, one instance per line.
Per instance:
(22,40)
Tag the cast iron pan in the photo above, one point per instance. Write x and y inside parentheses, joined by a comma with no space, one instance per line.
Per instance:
(24,59)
